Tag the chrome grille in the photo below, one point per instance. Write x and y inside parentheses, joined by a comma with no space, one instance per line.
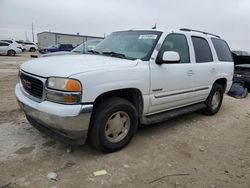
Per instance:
(32,85)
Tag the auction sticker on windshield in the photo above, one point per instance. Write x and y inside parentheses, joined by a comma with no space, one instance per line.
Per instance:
(147,36)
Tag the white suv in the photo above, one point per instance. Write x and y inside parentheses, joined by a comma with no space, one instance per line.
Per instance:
(144,76)
(30,46)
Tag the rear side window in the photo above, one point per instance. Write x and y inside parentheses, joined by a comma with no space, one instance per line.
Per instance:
(202,50)
(222,50)
(29,43)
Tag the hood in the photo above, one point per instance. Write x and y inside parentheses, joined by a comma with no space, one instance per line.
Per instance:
(67,65)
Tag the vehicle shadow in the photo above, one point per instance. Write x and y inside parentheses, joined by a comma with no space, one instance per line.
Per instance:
(145,132)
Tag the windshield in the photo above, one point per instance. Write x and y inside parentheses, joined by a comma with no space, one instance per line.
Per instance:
(86,46)
(129,44)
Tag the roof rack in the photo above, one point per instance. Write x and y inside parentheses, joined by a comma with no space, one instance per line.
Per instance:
(186,29)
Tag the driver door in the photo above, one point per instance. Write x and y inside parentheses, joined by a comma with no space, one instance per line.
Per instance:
(172,83)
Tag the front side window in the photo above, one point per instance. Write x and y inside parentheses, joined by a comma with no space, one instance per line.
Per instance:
(177,43)
(202,50)
(19,42)
(9,41)
(222,50)
(129,44)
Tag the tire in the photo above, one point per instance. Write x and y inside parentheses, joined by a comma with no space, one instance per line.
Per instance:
(32,49)
(106,137)
(214,100)
(11,53)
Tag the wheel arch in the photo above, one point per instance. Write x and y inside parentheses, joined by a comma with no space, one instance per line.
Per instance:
(133,95)
(222,82)
(9,50)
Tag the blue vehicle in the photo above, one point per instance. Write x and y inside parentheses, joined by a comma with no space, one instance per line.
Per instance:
(60,47)
(83,48)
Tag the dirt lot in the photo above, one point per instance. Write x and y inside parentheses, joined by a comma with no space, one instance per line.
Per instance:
(191,151)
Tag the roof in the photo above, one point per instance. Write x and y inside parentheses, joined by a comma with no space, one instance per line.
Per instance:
(74,35)
(177,30)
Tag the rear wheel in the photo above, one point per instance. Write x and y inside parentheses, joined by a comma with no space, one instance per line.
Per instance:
(113,124)
(11,53)
(214,100)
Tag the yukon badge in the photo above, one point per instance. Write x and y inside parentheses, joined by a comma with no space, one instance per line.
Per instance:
(26,84)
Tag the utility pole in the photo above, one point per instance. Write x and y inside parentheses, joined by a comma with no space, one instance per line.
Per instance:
(26,37)
(32,26)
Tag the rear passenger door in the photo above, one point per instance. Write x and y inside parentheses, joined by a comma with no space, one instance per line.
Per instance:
(205,67)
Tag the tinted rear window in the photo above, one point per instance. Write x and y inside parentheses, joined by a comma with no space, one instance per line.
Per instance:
(222,50)
(202,50)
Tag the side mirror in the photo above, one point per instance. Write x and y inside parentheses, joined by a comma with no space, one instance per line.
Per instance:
(170,57)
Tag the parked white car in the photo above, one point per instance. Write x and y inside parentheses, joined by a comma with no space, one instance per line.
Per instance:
(8,49)
(14,43)
(144,76)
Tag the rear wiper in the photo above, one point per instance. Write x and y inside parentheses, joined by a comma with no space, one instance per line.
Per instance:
(93,52)
(115,54)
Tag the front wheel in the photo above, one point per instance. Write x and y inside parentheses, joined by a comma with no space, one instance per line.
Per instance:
(113,124)
(214,100)
(11,53)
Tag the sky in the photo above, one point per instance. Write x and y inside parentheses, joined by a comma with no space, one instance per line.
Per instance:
(228,18)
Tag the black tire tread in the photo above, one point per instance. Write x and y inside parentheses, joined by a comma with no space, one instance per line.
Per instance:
(208,110)
(103,108)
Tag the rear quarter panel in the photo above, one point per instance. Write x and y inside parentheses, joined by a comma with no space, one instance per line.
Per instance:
(226,70)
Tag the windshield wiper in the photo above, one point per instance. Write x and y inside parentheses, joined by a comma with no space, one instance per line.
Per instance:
(119,55)
(93,52)
(77,51)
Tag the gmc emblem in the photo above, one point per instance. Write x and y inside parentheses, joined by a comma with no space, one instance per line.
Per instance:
(26,84)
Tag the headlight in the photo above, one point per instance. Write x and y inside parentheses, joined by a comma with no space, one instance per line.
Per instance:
(64,84)
(63,90)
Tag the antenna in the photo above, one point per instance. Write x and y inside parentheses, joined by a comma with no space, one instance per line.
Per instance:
(154,27)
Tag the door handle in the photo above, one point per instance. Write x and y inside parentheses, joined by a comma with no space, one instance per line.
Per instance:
(190,73)
(212,70)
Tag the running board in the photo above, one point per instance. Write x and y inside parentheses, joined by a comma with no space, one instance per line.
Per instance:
(164,116)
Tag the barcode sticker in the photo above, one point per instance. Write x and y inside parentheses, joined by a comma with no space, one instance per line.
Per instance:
(147,37)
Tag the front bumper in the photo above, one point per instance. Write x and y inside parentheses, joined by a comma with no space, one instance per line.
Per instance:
(67,123)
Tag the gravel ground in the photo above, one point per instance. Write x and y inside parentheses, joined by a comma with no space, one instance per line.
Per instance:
(190,151)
